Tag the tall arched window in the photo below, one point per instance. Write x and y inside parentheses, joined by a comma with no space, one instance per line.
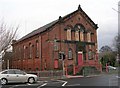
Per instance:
(89,37)
(70,56)
(24,52)
(37,48)
(30,50)
(79,32)
(68,28)
(55,45)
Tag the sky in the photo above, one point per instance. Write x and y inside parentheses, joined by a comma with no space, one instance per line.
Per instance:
(32,14)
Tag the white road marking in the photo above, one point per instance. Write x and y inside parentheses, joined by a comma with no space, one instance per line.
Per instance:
(74,85)
(42,85)
(13,86)
(42,81)
(65,82)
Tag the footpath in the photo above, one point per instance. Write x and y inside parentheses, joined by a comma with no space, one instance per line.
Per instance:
(71,76)
(64,77)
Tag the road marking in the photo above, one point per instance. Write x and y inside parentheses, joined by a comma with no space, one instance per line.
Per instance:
(74,85)
(42,81)
(42,85)
(65,82)
(13,86)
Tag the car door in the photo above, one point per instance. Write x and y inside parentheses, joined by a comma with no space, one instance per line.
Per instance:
(21,76)
(11,76)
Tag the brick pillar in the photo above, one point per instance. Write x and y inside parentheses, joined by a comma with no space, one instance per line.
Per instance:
(66,71)
(74,71)
(106,68)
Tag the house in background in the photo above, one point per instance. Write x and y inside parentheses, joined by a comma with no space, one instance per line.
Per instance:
(72,38)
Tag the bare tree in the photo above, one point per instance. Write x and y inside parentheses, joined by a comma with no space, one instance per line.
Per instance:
(7,35)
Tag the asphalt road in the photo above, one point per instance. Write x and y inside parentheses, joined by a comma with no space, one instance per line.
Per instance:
(102,80)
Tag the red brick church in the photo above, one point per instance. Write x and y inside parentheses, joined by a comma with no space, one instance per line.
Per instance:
(72,38)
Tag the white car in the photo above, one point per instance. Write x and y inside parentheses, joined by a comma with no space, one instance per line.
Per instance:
(111,67)
(15,75)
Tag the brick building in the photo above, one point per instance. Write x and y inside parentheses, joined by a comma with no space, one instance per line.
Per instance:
(72,38)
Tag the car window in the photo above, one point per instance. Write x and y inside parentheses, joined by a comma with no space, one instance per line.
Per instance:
(11,72)
(19,72)
(5,72)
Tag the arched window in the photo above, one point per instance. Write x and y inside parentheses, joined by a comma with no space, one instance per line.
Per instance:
(68,28)
(37,48)
(70,56)
(30,50)
(89,37)
(77,35)
(24,52)
(79,32)
(55,45)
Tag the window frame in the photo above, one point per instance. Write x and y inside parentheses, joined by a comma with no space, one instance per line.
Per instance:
(70,54)
(37,49)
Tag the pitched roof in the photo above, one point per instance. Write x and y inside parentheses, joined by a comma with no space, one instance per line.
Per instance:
(45,27)
(39,30)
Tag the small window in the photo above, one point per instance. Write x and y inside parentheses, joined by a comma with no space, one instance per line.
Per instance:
(30,50)
(77,35)
(70,54)
(89,37)
(69,33)
(81,36)
(55,45)
(24,47)
(37,48)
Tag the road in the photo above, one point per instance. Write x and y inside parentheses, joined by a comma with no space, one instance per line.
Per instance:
(102,80)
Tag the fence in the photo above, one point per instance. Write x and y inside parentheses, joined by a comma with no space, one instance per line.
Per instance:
(90,71)
(47,73)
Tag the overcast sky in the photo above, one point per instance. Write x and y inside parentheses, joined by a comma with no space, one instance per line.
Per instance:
(32,14)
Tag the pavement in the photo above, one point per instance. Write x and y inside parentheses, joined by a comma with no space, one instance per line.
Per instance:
(68,77)
(63,77)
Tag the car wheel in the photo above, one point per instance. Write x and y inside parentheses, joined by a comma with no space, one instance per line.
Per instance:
(3,81)
(31,80)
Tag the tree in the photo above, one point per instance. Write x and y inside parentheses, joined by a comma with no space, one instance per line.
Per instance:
(107,56)
(7,35)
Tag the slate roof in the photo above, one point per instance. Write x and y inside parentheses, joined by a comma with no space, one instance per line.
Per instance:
(45,27)
(39,30)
